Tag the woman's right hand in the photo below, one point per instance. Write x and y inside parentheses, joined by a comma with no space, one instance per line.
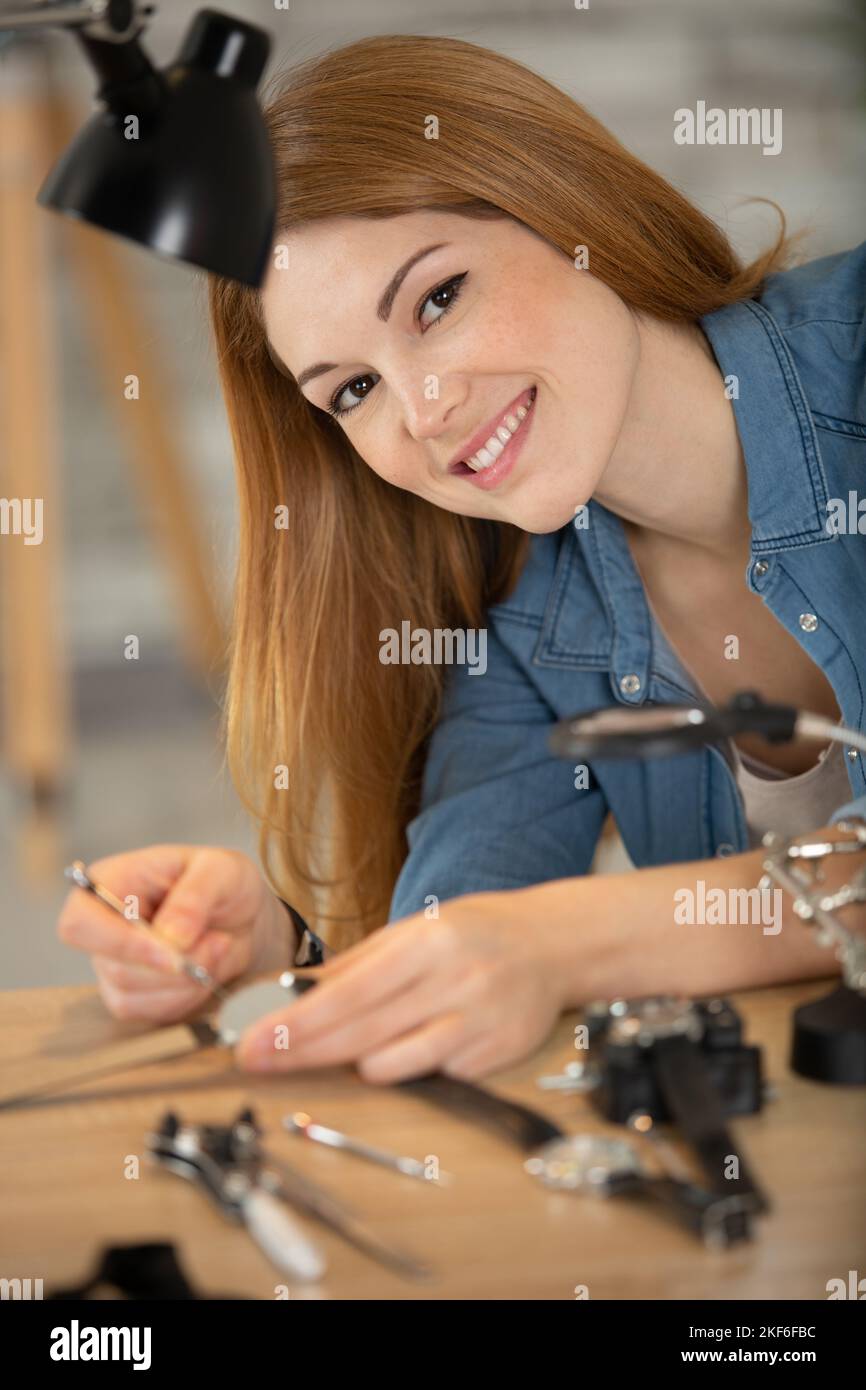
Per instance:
(208,903)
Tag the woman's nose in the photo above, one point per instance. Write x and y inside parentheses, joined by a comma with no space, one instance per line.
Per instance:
(427,407)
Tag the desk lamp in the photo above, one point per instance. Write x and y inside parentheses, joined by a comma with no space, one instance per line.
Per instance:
(178,160)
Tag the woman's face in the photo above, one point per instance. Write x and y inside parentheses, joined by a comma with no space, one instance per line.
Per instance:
(491,348)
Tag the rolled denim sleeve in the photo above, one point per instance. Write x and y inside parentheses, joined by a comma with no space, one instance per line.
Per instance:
(498,810)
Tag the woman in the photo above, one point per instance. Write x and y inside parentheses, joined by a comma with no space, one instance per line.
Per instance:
(503,380)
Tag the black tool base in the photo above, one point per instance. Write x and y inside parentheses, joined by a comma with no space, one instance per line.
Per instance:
(829,1041)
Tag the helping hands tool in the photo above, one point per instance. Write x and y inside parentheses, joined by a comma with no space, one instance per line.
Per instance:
(77,872)
(250,1184)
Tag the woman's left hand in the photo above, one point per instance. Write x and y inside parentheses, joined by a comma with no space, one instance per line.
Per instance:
(465,993)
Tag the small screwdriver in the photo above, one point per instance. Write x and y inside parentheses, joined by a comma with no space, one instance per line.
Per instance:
(77,872)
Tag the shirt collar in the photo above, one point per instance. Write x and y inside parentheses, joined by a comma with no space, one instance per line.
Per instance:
(787,484)
(787,503)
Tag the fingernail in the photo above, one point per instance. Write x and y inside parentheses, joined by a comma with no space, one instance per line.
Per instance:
(181,935)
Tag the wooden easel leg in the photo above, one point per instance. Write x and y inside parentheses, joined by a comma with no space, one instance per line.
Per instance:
(148,423)
(36,724)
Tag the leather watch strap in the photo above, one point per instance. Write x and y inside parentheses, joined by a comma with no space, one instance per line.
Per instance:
(695,1105)
(311,949)
(513,1121)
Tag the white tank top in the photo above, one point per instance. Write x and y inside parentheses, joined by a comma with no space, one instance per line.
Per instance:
(791,805)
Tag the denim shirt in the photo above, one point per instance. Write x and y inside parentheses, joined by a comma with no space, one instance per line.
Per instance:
(498,810)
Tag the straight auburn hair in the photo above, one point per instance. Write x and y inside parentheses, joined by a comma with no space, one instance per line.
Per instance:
(324,744)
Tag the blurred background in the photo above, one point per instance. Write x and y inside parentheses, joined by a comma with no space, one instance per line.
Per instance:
(135,744)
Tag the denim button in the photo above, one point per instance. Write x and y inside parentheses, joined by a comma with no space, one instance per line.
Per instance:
(724,848)
(852,754)
(630,684)
(808,622)
(760,568)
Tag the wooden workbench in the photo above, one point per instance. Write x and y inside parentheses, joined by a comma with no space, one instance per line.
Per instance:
(494,1233)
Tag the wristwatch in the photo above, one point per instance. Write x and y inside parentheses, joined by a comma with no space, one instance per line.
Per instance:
(311,949)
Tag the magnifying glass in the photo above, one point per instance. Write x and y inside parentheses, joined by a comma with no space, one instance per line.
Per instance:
(660,731)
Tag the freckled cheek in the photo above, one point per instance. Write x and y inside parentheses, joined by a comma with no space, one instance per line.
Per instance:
(523,322)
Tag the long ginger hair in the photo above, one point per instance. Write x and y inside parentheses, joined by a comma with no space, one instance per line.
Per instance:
(306,691)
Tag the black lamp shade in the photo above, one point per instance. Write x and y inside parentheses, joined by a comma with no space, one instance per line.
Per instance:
(198,183)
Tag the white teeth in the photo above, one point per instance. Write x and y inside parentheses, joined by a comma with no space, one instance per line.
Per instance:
(480,460)
(493,447)
(497,442)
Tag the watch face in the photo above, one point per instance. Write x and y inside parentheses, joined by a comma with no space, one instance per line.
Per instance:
(252,1003)
(644,1020)
(582,1161)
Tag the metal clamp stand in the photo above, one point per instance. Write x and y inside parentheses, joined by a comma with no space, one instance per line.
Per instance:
(829,1042)
(830,1034)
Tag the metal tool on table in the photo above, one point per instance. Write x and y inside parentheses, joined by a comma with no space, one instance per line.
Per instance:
(77,872)
(224,1161)
(302,1124)
(253,1185)
(672,1059)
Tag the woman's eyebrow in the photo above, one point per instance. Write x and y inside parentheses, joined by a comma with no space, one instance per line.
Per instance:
(383,308)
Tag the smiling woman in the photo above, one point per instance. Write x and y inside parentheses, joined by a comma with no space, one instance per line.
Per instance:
(505,382)
(414,503)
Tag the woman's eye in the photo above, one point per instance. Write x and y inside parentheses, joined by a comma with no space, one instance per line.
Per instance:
(334,407)
(444,297)
(451,292)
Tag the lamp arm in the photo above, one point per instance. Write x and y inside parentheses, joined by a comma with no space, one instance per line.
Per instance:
(107,30)
(113,21)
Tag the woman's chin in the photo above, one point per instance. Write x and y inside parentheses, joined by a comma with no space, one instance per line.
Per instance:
(542,518)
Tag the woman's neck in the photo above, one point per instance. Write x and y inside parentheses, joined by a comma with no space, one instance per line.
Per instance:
(677,476)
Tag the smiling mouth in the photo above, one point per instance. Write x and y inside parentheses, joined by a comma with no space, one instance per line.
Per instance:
(510,425)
